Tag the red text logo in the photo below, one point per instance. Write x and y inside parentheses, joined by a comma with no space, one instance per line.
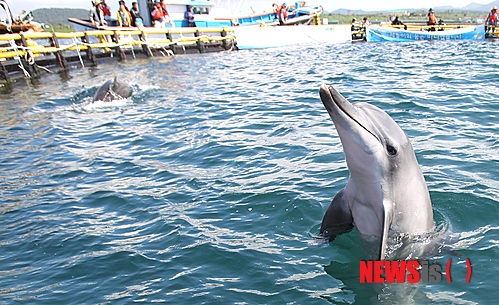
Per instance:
(410,271)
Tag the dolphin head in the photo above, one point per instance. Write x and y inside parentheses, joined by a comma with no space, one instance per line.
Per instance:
(368,134)
(386,188)
(113,89)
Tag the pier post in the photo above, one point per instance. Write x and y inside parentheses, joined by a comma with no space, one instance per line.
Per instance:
(119,52)
(224,41)
(90,53)
(145,46)
(199,43)
(58,54)
(28,60)
(4,74)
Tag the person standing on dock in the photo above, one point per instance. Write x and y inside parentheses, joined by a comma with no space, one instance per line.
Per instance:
(432,19)
(96,14)
(135,14)
(491,20)
(189,16)
(123,15)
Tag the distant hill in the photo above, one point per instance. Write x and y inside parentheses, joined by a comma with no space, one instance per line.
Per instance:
(58,16)
(344,11)
(481,7)
(446,8)
(472,7)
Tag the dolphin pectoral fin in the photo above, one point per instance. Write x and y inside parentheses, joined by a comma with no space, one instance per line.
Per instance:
(387,220)
(338,218)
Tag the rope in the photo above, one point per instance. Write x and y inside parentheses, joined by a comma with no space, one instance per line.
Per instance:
(75,41)
(43,68)
(21,66)
(29,57)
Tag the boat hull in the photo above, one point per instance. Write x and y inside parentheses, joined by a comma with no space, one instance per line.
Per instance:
(382,34)
(280,36)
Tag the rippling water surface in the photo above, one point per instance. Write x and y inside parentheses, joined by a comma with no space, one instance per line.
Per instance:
(210,184)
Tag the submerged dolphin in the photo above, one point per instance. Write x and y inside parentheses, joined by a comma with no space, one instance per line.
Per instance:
(386,189)
(114,89)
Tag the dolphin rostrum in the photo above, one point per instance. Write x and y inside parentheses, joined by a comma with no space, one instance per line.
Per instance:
(113,89)
(386,189)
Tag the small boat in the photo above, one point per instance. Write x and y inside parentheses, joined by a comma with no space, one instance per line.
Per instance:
(381,33)
(16,24)
(206,14)
(304,15)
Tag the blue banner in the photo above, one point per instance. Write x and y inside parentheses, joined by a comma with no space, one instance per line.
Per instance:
(377,33)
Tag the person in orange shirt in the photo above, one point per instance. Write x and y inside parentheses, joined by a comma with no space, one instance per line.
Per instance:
(157,16)
(492,17)
(432,19)
(283,14)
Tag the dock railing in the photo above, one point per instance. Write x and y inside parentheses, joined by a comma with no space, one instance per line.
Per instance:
(32,52)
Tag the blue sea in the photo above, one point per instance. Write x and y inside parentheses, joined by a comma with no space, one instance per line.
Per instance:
(209,185)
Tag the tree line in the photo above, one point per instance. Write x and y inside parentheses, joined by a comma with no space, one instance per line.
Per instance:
(59,16)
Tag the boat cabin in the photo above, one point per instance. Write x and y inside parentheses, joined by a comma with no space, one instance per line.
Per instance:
(205,13)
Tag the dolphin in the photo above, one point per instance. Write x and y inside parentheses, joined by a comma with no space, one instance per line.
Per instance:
(386,190)
(113,89)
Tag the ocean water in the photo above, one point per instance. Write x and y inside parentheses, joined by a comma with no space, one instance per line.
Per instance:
(209,185)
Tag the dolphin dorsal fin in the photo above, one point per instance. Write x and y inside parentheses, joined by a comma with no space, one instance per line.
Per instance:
(114,82)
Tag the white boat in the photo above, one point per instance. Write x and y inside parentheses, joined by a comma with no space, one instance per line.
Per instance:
(207,14)
(280,36)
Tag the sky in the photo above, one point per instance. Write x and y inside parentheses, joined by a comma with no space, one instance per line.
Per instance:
(260,5)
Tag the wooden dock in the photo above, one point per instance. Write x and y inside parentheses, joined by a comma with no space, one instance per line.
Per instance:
(31,54)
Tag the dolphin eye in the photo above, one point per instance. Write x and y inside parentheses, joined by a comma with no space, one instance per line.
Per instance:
(392,151)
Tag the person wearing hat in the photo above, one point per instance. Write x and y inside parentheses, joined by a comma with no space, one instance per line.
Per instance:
(432,19)
(96,14)
(491,20)
(189,16)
